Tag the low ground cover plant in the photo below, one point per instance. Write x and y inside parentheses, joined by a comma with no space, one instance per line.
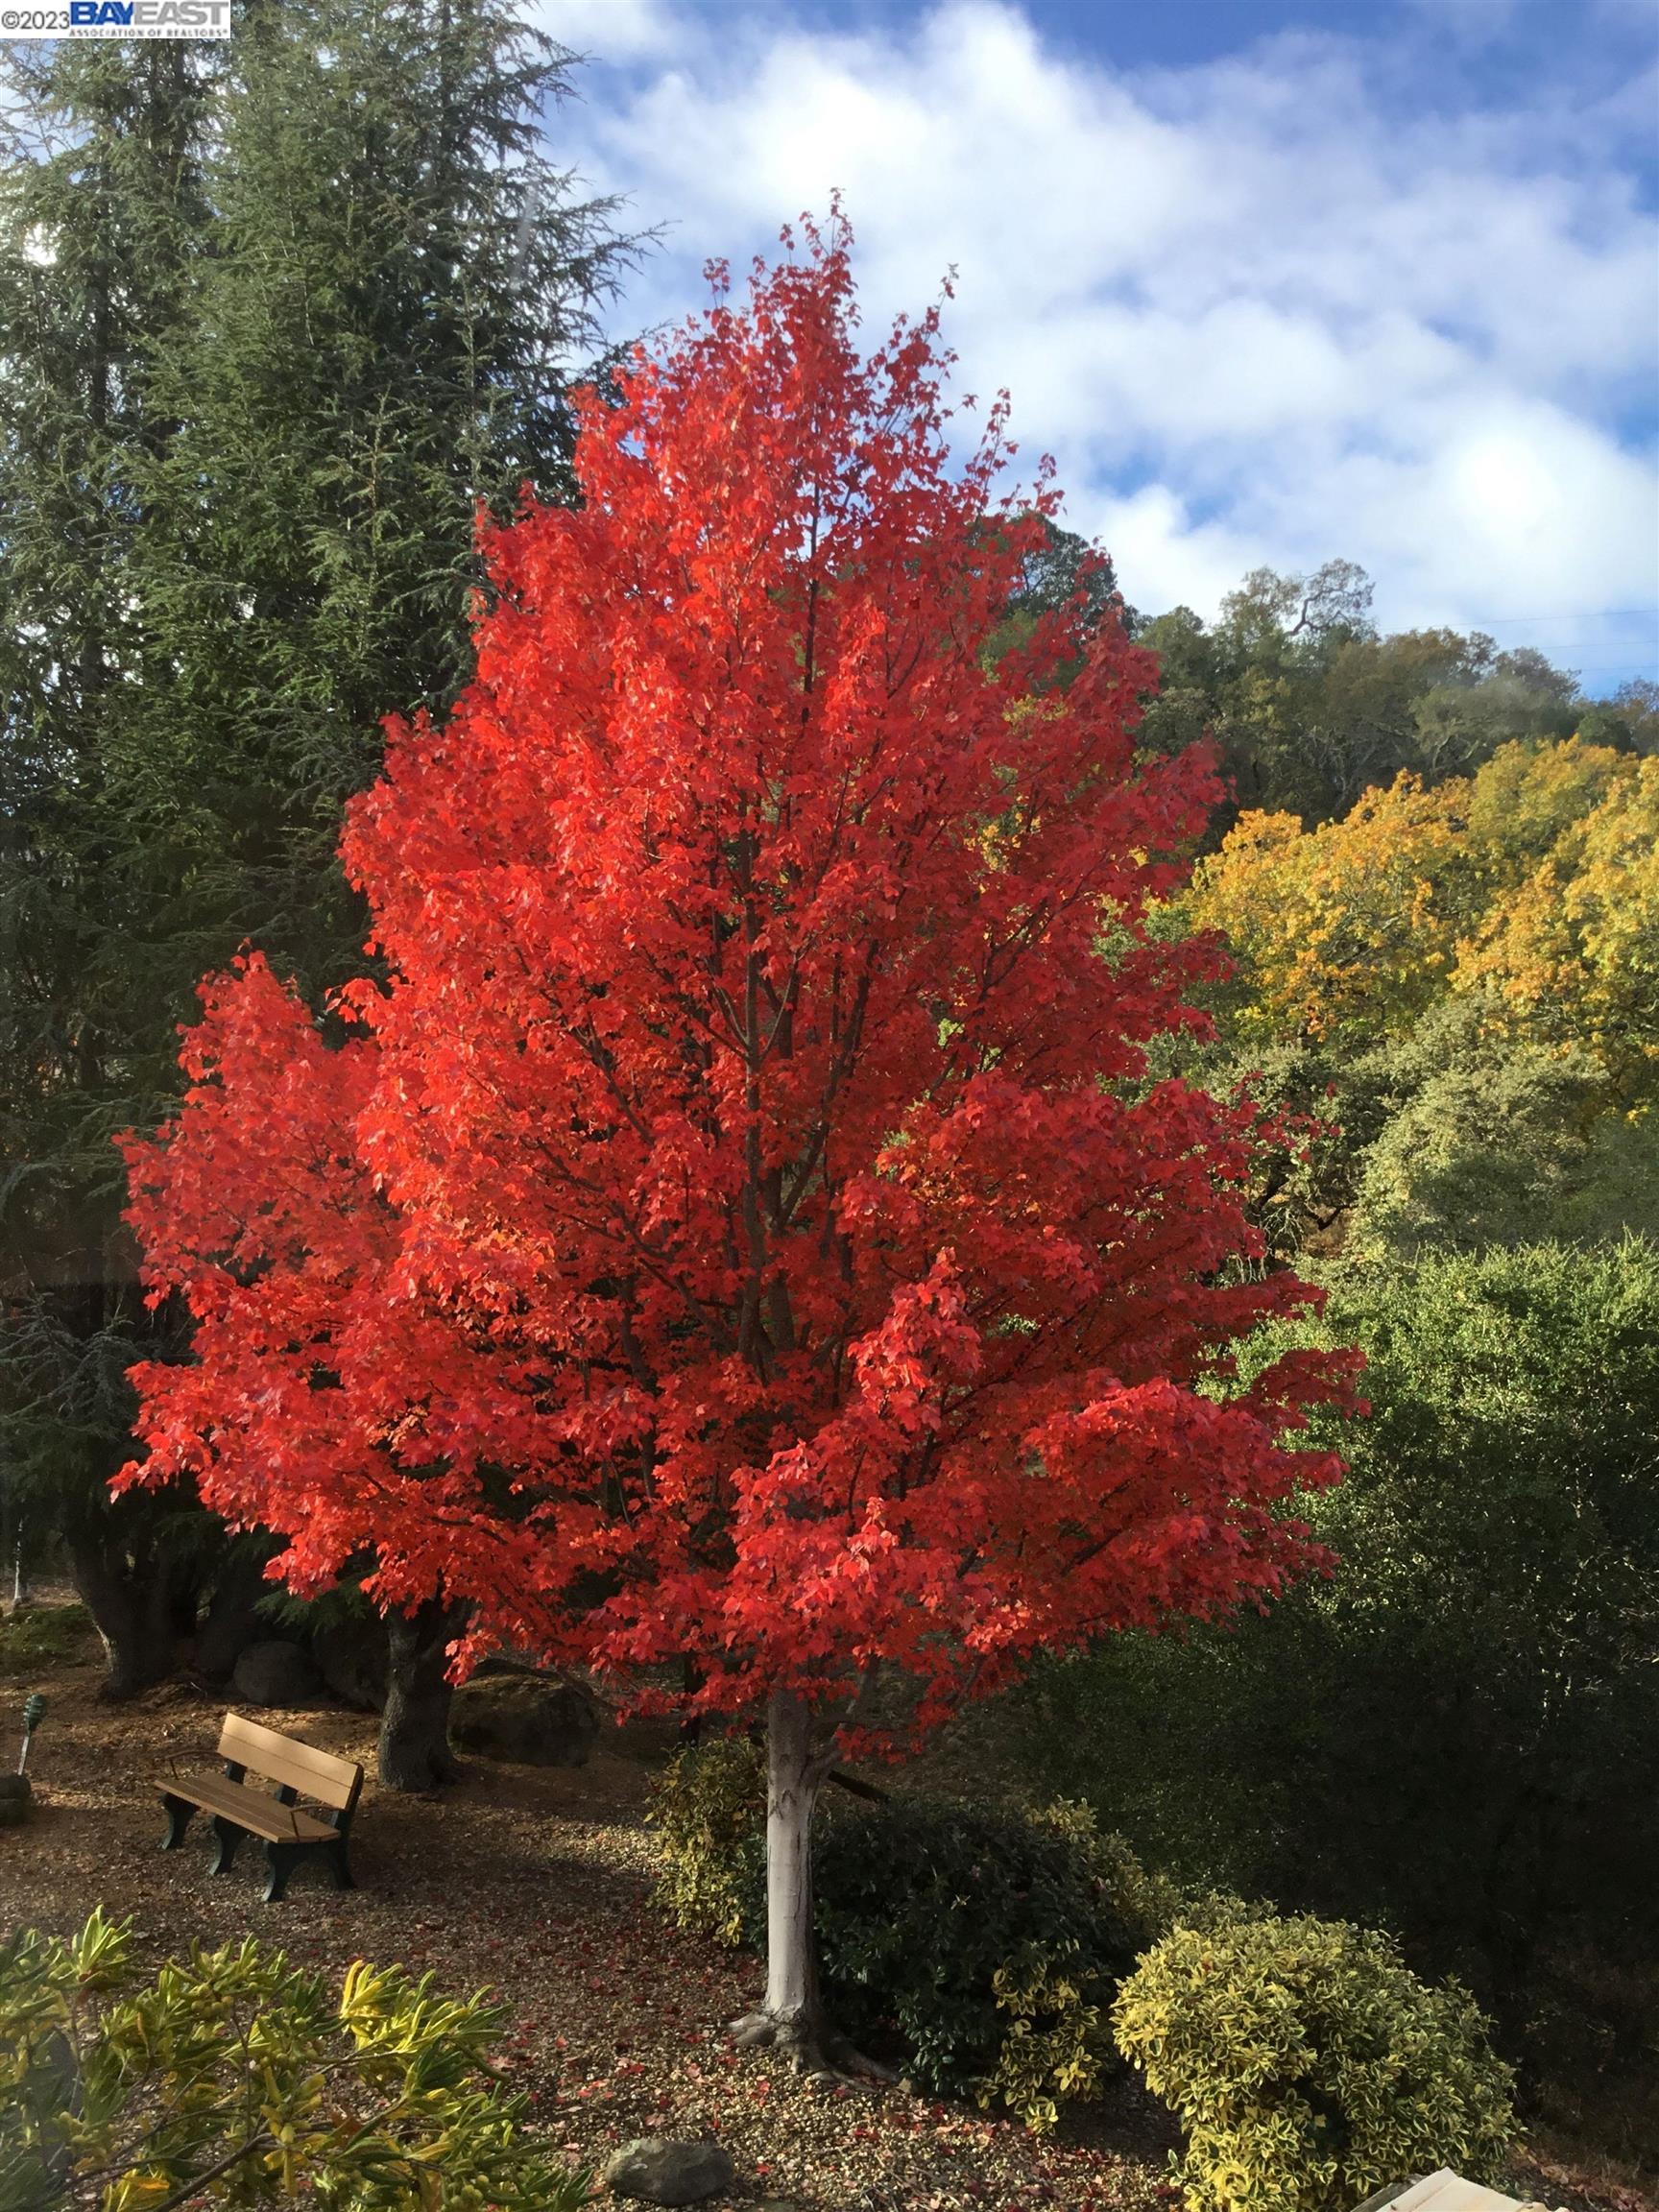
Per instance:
(1307,2064)
(36,1636)
(232,2079)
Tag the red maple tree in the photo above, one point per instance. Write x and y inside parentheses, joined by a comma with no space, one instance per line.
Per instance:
(739,1227)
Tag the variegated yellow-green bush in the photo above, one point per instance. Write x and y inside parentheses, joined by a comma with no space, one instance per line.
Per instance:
(1058,2045)
(231,2079)
(709,1813)
(1308,2065)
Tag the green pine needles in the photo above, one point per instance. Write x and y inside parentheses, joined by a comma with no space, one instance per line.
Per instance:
(278,317)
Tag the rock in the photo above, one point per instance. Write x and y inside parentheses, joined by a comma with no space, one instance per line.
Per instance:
(16,1800)
(351,1655)
(655,2171)
(527,1718)
(274,1673)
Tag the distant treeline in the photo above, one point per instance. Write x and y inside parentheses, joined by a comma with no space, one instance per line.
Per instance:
(1308,704)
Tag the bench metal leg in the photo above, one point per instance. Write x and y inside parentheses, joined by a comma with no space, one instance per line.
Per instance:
(229,1837)
(335,1853)
(178,1815)
(281,1859)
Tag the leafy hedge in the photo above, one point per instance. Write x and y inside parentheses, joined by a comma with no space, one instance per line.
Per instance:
(708,1809)
(992,1941)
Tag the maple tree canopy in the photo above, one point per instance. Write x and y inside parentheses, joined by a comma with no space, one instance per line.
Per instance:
(736,1226)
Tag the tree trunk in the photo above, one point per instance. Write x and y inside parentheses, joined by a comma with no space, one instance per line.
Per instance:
(130,1602)
(11,1535)
(793,1776)
(792,2019)
(232,1621)
(414,1752)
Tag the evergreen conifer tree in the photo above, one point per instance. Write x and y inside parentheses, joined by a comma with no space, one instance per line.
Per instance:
(277,319)
(101,218)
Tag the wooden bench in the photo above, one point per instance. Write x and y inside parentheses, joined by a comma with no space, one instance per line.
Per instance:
(236,1807)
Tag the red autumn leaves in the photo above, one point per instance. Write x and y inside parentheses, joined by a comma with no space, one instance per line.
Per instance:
(736,1227)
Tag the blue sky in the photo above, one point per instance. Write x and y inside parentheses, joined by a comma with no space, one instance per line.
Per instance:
(1273,279)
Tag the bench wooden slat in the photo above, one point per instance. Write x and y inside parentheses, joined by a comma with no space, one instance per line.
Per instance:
(255,1810)
(301,1767)
(240,1808)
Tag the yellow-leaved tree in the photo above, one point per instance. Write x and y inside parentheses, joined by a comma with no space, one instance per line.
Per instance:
(1571,956)
(1531,881)
(1350,930)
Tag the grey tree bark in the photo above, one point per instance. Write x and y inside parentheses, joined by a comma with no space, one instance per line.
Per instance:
(791,2018)
(793,1779)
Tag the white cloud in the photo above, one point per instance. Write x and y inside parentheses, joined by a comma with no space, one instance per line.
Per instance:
(1173,560)
(1259,310)
(610,30)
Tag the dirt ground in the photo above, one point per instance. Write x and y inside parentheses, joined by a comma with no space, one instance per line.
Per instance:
(536,1883)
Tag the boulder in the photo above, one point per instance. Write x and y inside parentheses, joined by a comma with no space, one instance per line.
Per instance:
(351,1655)
(527,1718)
(274,1673)
(655,2171)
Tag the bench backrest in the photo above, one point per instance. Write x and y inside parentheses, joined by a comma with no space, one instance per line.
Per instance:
(295,1766)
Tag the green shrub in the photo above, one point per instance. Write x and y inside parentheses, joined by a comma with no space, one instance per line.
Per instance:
(1489,1640)
(1308,2065)
(990,1942)
(708,1809)
(235,2080)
